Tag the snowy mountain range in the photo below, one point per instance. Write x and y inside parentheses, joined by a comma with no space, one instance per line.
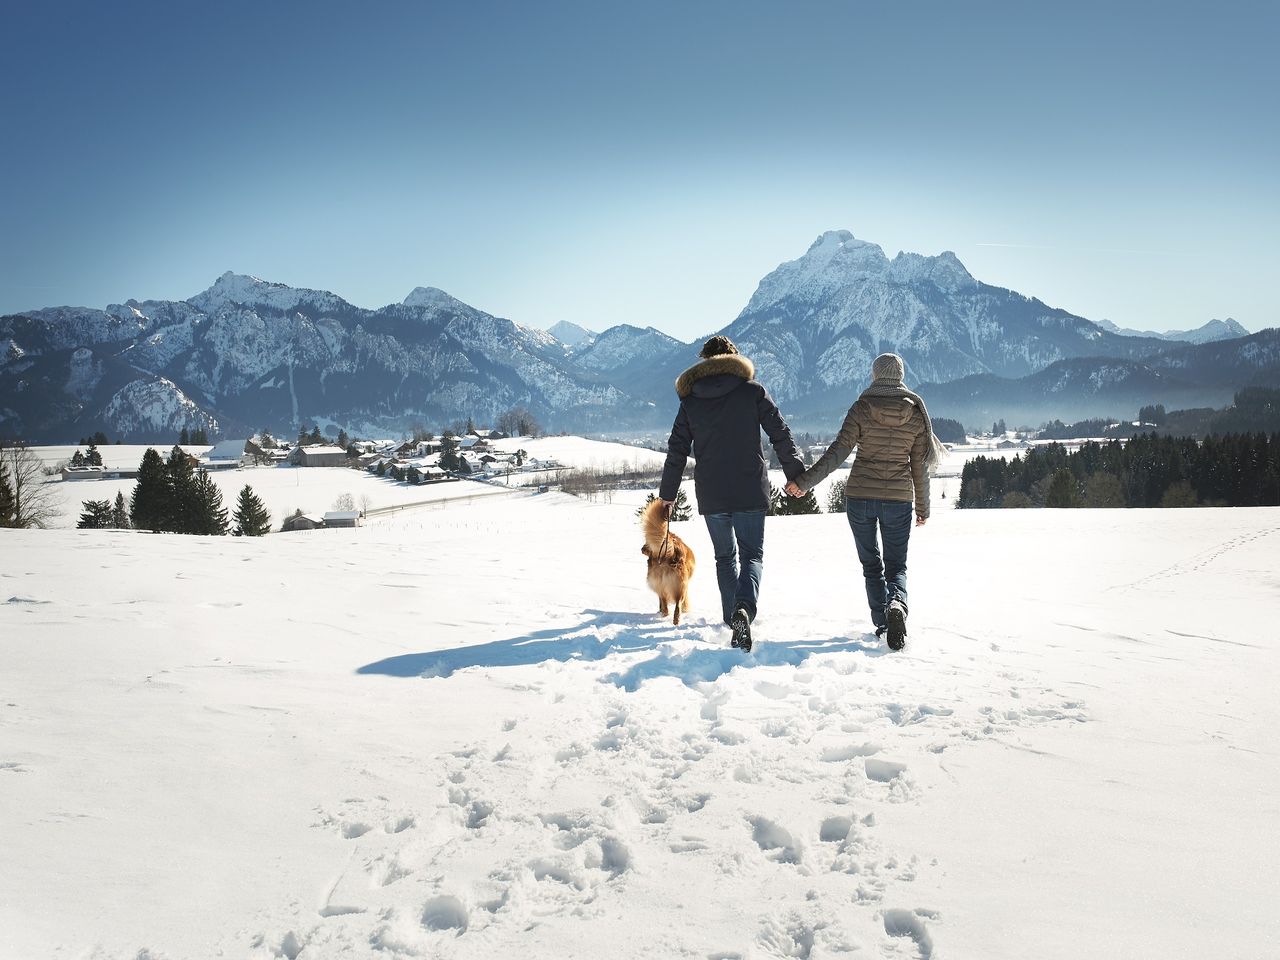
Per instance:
(1181,377)
(247,353)
(1227,329)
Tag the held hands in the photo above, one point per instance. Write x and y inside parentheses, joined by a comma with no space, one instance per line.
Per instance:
(794,489)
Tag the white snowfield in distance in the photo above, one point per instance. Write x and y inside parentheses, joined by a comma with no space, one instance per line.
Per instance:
(285,489)
(467,733)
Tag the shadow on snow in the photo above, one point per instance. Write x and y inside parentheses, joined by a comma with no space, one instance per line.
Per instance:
(695,652)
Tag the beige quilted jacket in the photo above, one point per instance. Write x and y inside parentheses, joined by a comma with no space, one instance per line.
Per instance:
(891,438)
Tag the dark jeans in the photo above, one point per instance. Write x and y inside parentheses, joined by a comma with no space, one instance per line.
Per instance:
(733,534)
(887,580)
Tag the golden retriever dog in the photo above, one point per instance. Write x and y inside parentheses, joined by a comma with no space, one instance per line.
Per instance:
(670,561)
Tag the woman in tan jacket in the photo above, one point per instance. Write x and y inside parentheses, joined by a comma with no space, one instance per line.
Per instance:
(891,430)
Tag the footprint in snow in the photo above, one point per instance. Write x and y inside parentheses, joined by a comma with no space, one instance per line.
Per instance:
(910,923)
(775,840)
(445,914)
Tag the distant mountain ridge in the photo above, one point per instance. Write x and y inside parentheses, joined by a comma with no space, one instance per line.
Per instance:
(1227,329)
(245,353)
(1184,376)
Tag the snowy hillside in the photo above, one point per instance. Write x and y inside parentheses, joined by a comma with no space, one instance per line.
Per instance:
(466,734)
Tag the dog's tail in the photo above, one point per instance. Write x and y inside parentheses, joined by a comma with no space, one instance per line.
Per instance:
(655,526)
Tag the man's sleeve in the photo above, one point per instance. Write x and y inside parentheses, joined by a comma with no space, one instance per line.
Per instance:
(919,475)
(850,436)
(779,435)
(678,446)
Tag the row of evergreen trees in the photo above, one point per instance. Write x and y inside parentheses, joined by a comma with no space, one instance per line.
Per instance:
(172,496)
(103,515)
(93,458)
(1149,470)
(198,437)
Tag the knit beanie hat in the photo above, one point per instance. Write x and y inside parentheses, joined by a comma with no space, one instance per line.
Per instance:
(888,366)
(717,346)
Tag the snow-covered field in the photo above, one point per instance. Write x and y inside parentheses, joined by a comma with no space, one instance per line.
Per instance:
(284,490)
(465,733)
(316,489)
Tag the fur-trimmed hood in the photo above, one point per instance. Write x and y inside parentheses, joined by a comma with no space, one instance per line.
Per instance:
(734,364)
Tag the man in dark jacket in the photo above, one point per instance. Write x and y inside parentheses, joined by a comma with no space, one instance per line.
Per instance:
(722,410)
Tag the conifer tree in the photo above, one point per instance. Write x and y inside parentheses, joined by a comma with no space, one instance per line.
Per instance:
(251,516)
(680,509)
(93,458)
(77,459)
(210,518)
(149,505)
(199,437)
(120,513)
(448,453)
(835,496)
(6,498)
(783,505)
(1062,490)
(183,508)
(96,515)
(184,438)
(343,440)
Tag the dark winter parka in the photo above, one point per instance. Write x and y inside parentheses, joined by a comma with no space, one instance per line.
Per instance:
(722,410)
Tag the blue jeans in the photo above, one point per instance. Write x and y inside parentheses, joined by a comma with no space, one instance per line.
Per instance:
(733,534)
(887,580)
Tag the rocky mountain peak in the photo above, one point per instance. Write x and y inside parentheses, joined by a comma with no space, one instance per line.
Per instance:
(429,297)
(238,289)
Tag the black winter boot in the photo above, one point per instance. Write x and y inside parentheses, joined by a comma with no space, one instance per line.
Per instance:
(741,624)
(896,615)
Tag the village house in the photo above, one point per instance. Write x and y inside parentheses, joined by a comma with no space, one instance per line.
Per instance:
(302,521)
(318,456)
(82,473)
(342,518)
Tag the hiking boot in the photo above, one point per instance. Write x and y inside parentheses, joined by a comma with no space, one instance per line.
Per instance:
(896,615)
(741,624)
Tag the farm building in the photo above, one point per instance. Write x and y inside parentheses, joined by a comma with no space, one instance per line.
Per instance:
(318,457)
(342,518)
(302,521)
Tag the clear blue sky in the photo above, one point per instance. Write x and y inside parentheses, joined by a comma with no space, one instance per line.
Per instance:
(646,163)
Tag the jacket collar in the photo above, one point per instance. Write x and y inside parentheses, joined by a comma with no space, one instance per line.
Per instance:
(731,363)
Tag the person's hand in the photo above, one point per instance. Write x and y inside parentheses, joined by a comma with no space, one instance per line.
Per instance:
(794,489)
(666,508)
(920,521)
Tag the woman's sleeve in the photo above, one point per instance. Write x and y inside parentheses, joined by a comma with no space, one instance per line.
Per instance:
(848,437)
(919,475)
